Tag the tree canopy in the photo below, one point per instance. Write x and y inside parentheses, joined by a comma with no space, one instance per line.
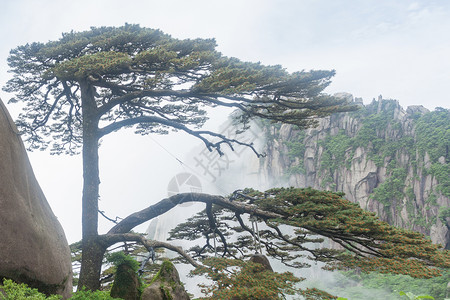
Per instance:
(298,222)
(140,76)
(90,84)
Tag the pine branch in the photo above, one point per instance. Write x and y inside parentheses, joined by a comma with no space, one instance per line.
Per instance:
(167,204)
(111,239)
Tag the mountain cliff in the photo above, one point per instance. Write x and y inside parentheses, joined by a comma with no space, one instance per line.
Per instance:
(391,161)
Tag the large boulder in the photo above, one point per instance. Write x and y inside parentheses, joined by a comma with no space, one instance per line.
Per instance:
(33,247)
(165,285)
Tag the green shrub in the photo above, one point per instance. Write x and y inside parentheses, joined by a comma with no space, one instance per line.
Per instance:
(411,296)
(88,295)
(120,258)
(20,291)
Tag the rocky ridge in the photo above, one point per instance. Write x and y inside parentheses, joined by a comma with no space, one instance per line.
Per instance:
(391,161)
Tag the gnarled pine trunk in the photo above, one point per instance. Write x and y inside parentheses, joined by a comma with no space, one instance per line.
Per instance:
(92,248)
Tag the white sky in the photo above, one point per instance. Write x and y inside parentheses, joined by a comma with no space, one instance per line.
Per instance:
(400,49)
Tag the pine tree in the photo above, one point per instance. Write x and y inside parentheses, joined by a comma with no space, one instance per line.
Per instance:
(87,85)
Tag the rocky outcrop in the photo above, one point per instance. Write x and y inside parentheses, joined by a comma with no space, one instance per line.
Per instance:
(390,161)
(262,260)
(165,285)
(126,283)
(33,247)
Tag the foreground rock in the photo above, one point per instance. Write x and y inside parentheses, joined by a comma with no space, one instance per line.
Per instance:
(166,285)
(33,247)
(126,283)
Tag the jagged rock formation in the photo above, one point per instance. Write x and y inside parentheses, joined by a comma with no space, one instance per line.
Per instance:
(391,161)
(165,285)
(33,247)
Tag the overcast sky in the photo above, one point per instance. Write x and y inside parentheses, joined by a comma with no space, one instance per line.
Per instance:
(399,49)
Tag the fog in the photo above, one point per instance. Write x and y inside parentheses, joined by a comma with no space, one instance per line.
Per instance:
(399,49)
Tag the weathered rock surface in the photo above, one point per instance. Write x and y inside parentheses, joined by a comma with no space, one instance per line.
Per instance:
(126,283)
(33,247)
(166,285)
(363,168)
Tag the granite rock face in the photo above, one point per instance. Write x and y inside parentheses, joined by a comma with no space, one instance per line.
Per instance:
(376,157)
(33,247)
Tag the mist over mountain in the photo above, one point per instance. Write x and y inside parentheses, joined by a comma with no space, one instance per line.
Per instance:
(390,160)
